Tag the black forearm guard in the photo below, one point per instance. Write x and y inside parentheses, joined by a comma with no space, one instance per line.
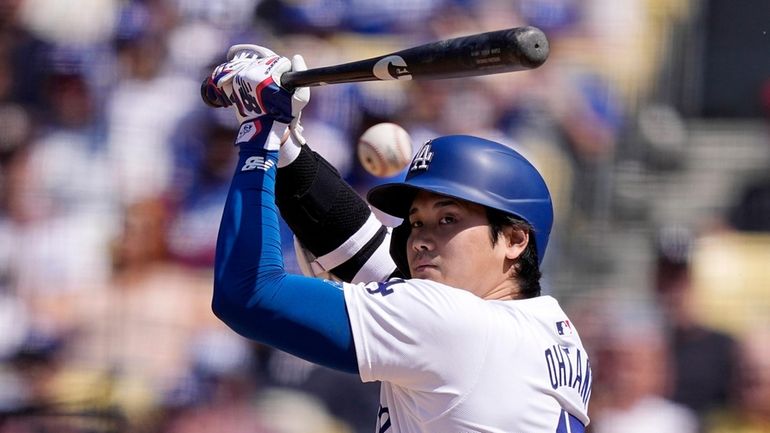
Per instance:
(323,210)
(317,204)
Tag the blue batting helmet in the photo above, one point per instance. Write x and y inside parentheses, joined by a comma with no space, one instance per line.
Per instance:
(475,170)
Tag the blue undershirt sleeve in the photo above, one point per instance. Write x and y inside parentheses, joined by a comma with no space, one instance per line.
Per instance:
(253,294)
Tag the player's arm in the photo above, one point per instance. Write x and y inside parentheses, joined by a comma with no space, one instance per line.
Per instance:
(330,219)
(252,293)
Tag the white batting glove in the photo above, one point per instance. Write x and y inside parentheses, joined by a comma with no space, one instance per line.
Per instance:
(301,95)
(250,80)
(293,139)
(238,58)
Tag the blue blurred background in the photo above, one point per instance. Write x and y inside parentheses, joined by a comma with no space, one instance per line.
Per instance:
(649,121)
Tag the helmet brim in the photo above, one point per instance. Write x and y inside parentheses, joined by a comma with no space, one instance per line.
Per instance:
(392,198)
(396,198)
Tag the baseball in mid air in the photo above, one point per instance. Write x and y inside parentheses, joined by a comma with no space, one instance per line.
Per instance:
(384,149)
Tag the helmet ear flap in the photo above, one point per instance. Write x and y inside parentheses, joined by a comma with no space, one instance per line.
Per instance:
(398,247)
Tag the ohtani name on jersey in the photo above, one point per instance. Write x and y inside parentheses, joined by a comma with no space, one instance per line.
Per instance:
(569,367)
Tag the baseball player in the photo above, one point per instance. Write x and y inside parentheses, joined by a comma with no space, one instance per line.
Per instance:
(459,336)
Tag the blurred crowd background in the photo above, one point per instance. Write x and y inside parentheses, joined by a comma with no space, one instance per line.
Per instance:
(649,121)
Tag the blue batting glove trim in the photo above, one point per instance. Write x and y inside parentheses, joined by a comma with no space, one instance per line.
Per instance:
(276,100)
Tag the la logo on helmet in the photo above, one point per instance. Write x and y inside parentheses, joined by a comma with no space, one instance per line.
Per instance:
(422,160)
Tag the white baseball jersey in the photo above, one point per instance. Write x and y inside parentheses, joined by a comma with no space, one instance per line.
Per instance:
(452,362)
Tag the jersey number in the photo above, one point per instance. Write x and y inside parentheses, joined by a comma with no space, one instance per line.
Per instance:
(383,420)
(384,288)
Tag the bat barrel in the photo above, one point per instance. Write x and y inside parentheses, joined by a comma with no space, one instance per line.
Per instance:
(514,49)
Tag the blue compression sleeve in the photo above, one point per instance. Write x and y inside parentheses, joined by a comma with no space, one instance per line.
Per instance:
(253,294)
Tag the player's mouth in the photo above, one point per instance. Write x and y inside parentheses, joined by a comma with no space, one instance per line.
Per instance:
(422,267)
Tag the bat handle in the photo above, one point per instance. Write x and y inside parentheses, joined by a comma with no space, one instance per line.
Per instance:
(288,80)
(293,79)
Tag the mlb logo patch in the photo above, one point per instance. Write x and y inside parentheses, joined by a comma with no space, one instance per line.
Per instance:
(564,327)
(248,131)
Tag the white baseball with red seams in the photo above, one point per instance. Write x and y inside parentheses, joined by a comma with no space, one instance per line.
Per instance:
(385,149)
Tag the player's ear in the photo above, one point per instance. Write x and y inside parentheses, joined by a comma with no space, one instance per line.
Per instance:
(515,240)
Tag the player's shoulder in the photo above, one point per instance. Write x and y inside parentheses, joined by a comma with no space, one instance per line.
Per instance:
(542,308)
(538,304)
(417,288)
(416,296)
(544,314)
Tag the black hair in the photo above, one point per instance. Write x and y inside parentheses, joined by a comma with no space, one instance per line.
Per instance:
(526,266)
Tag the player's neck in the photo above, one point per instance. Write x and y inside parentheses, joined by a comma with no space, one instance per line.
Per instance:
(507,290)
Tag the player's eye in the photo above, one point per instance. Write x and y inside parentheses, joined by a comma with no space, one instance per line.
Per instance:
(448,219)
(415,224)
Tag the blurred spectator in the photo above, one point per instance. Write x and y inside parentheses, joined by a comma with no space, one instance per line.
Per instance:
(581,112)
(551,16)
(204,159)
(28,374)
(629,396)
(730,279)
(141,116)
(342,395)
(233,15)
(61,180)
(703,359)
(750,411)
(15,133)
(235,415)
(77,22)
(145,322)
(215,395)
(286,411)
(140,329)
(362,16)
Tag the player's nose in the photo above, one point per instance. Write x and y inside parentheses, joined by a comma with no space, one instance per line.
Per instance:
(421,241)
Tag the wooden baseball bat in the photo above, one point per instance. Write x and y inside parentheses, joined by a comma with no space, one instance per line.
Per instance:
(514,49)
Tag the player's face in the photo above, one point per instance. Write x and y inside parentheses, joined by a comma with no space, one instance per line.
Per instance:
(450,243)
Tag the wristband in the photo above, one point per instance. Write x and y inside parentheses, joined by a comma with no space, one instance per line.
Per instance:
(260,133)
